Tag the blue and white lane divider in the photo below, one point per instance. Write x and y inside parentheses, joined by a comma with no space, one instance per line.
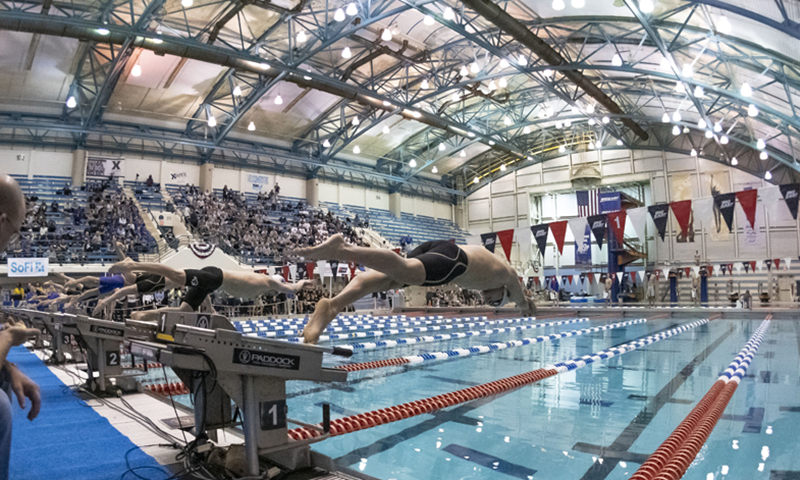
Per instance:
(356,347)
(343,327)
(477,350)
(396,331)
(343,321)
(738,367)
(628,347)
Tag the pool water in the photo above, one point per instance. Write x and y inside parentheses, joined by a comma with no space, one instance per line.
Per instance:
(593,423)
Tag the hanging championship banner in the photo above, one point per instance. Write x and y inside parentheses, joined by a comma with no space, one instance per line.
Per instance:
(506,238)
(597,223)
(725,204)
(610,202)
(747,200)
(659,215)
(488,240)
(791,193)
(683,214)
(559,230)
(539,233)
(617,221)
(104,167)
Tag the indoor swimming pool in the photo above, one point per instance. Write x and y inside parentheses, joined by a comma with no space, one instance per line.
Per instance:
(591,423)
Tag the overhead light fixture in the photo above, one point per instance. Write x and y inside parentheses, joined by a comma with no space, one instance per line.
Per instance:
(425,85)
(136,71)
(346,53)
(761,144)
(504,63)
(471,134)
(463,72)
(326,143)
(491,143)
(456,97)
(567,123)
(526,129)
(701,124)
(71,102)
(562,148)
(747,90)
(619,142)
(503,83)
(503,167)
(547,73)
(237,91)
(355,121)
(387,103)
(549,111)
(646,6)
(590,108)
(676,130)
(434,169)
(385,130)
(463,153)
(693,152)
(559,5)
(338,16)
(103,31)
(616,60)
(449,14)
(301,37)
(265,66)
(724,25)
(724,139)
(474,67)
(676,117)
(429,20)
(734,161)
(507,121)
(386,35)
(698,91)
(718,126)
(606,119)
(442,147)
(412,163)
(768,175)
(686,130)
(351,9)
(559,124)
(157,41)
(356,149)
(591,121)
(212,121)
(664,63)
(665,117)
(578,3)
(416,114)
(492,86)
(687,71)
(476,180)
(521,60)
(278,100)
(591,145)
(709,134)
(763,155)
(251,127)
(752,111)
(680,88)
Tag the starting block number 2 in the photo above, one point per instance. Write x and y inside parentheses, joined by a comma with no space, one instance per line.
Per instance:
(273,415)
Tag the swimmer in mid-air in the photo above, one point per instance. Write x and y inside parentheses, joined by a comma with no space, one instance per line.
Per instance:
(430,264)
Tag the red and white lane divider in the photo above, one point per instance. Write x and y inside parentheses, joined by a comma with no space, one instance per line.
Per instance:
(480,349)
(167,389)
(392,414)
(673,457)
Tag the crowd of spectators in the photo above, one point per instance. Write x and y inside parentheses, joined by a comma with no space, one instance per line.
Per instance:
(251,228)
(457,297)
(66,232)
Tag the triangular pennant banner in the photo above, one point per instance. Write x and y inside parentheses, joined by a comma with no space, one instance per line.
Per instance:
(285,272)
(352,269)
(590,276)
(753,266)
(293,273)
(578,228)
(791,193)
(524,239)
(746,267)
(564,279)
(488,240)
(559,230)
(748,200)
(770,198)
(724,268)
(473,240)
(539,233)
(709,270)
(310,269)
(787,263)
(768,263)
(688,271)
(730,269)
(703,209)
(659,215)
(619,276)
(696,270)
(597,223)
(570,279)
(506,238)
(617,221)
(725,203)
(603,278)
(683,214)
(666,272)
(777,263)
(633,276)
(583,277)
(638,217)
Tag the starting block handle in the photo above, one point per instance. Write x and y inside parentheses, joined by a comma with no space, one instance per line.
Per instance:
(342,352)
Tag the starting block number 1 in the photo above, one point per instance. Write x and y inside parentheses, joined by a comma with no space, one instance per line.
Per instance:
(273,415)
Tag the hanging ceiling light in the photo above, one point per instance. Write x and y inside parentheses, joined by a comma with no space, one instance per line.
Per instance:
(434,169)
(456,97)
(441,147)
(616,60)
(212,122)
(449,14)
(502,83)
(492,86)
(136,70)
(530,159)
(251,127)
(724,139)
(559,5)
(709,134)
(278,100)
(387,103)
(385,130)
(665,117)
(471,134)
(680,88)
(701,124)
(619,142)
(547,73)
(476,180)
(521,60)
(503,167)
(734,161)
(237,91)
(416,114)
(356,149)
(646,6)
(386,35)
(590,108)
(338,16)
(504,63)
(475,68)
(761,144)
(429,20)
(507,121)
(686,130)
(425,85)
(562,148)
(752,111)
(412,163)
(591,121)
(559,125)
(664,63)
(103,31)
(346,53)
(591,145)
(326,143)
(567,123)
(352,9)
(606,119)
(71,102)
(356,121)
(763,155)
(718,126)
(768,175)
(526,129)
(463,153)
(187,3)
(578,3)
(491,143)
(723,25)
(747,90)
(693,152)
(676,117)
(301,37)
(699,92)
(676,130)
(463,72)
(687,71)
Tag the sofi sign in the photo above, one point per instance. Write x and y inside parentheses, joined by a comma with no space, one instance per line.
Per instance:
(27,267)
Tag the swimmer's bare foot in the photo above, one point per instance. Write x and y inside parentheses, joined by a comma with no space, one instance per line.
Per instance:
(124,266)
(322,316)
(331,249)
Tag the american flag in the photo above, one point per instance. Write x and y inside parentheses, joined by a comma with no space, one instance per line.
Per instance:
(588,202)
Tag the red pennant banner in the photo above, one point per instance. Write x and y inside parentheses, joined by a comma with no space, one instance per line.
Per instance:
(753,266)
(310,270)
(617,222)
(709,270)
(730,268)
(633,274)
(658,274)
(688,271)
(570,279)
(590,275)
(777,263)
(506,238)
(536,279)
(683,214)
(286,272)
(559,230)
(748,199)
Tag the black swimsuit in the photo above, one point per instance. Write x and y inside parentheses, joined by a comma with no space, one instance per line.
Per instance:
(149,283)
(201,283)
(443,261)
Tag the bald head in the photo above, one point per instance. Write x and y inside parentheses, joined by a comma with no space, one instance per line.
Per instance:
(12,209)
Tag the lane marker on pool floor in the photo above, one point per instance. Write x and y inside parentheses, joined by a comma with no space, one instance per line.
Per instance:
(673,457)
(362,421)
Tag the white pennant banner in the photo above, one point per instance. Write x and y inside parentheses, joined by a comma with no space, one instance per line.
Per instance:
(703,209)
(578,228)
(771,197)
(638,218)
(619,276)
(473,240)
(787,263)
(524,240)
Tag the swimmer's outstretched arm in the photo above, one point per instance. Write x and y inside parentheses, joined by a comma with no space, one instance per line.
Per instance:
(517,294)
(88,282)
(171,274)
(120,293)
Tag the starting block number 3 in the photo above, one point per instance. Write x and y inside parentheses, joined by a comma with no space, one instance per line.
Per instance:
(273,415)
